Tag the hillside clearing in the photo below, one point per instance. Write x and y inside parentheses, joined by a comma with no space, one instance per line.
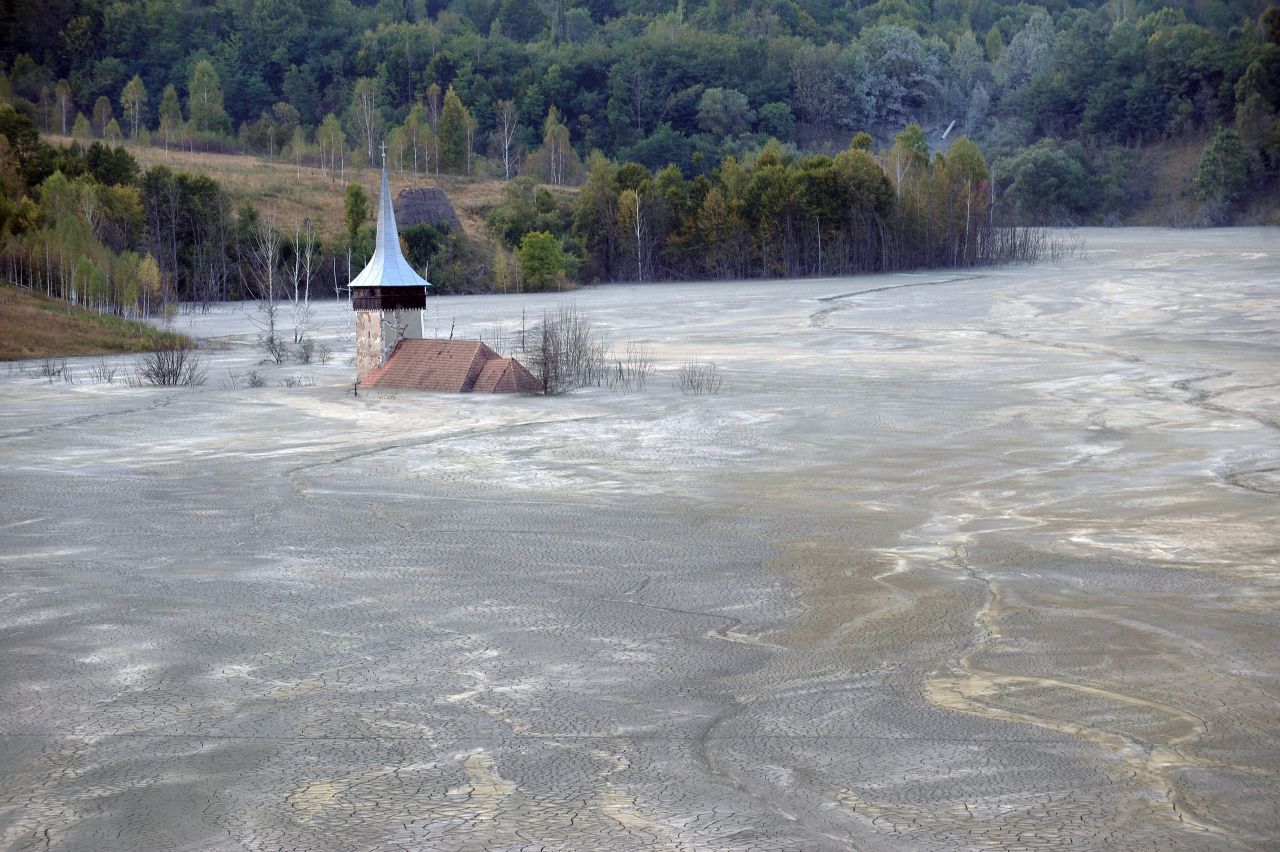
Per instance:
(287,192)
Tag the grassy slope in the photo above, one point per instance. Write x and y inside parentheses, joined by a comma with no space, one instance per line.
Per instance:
(33,326)
(289,193)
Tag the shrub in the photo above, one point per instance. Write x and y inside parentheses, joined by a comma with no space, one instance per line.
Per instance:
(699,378)
(632,370)
(564,351)
(102,372)
(50,369)
(171,367)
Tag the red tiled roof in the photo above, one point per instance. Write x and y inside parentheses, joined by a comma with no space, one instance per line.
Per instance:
(505,375)
(451,366)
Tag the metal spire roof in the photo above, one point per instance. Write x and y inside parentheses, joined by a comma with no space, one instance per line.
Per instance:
(387,267)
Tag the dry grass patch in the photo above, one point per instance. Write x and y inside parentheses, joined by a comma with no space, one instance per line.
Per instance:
(33,326)
(287,192)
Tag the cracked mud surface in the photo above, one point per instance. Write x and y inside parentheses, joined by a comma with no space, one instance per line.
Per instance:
(979,561)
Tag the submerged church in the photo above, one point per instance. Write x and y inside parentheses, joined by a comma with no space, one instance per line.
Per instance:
(389,298)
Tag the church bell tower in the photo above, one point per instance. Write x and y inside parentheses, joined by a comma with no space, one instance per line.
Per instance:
(387,296)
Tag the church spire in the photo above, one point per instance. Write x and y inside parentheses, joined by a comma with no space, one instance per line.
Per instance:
(387,267)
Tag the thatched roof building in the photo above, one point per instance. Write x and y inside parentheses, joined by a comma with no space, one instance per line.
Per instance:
(426,205)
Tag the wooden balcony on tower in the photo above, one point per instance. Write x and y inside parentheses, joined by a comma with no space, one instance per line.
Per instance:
(388,298)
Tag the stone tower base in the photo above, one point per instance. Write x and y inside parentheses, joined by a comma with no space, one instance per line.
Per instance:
(378,332)
(368,342)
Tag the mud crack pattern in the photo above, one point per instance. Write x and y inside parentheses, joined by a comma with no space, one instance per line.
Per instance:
(956,562)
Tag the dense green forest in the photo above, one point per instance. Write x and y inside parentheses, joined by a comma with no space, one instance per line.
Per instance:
(675,118)
(539,84)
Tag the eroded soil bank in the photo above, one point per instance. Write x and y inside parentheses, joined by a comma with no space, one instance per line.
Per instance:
(983,560)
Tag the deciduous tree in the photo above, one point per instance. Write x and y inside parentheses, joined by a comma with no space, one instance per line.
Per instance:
(133,100)
(541,261)
(506,124)
(204,100)
(366,117)
(356,210)
(453,133)
(170,115)
(724,113)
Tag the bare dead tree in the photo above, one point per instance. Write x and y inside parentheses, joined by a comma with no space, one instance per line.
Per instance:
(565,351)
(50,370)
(171,368)
(699,378)
(304,256)
(496,339)
(631,371)
(397,328)
(266,261)
(103,373)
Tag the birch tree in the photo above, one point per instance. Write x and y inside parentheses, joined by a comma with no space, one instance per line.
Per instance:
(66,108)
(632,222)
(170,114)
(366,119)
(304,258)
(416,137)
(132,101)
(204,99)
(266,260)
(332,142)
(507,123)
(555,144)
(102,115)
(434,109)
(148,282)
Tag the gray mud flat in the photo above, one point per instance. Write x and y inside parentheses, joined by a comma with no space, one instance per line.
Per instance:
(984,560)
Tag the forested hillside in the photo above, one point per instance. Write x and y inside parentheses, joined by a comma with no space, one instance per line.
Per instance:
(674,116)
(659,81)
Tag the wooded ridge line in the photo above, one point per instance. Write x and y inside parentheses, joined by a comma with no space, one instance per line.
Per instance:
(707,140)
